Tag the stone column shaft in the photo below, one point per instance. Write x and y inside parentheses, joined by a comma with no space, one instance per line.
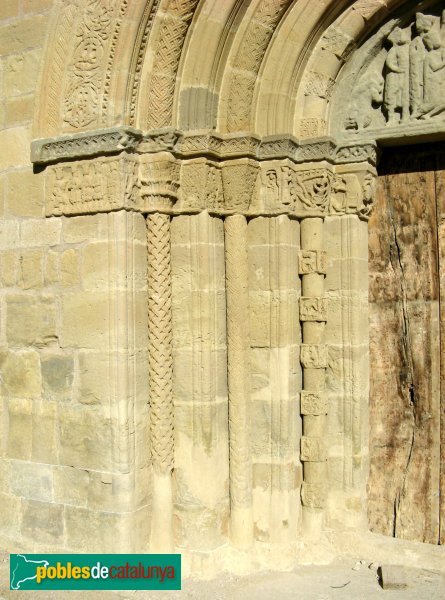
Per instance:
(313,359)
(160,378)
(240,468)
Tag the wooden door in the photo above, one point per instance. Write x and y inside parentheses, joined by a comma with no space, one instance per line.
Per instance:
(407,337)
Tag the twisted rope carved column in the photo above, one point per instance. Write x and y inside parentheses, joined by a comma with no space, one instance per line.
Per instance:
(160,377)
(313,358)
(240,468)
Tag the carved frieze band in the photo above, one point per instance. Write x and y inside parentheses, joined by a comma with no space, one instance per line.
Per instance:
(162,182)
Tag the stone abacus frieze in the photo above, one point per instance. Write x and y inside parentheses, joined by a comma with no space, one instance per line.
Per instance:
(192,144)
(121,168)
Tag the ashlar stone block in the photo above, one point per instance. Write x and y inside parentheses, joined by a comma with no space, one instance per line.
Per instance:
(40,232)
(19,430)
(20,374)
(45,435)
(71,485)
(30,323)
(32,480)
(43,522)
(31,263)
(85,438)
(9,267)
(85,320)
(57,375)
(25,194)
(69,268)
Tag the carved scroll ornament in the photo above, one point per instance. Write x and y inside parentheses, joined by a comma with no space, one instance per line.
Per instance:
(82,93)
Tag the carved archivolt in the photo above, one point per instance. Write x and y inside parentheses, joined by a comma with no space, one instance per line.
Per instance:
(248,61)
(174,27)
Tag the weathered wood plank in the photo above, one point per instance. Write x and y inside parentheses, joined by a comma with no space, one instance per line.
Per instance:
(440,195)
(405,350)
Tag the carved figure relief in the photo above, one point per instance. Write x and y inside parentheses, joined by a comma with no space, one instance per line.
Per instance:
(313,309)
(313,495)
(92,186)
(272,188)
(406,80)
(396,97)
(434,76)
(367,94)
(349,196)
(312,449)
(417,53)
(312,188)
(89,185)
(314,356)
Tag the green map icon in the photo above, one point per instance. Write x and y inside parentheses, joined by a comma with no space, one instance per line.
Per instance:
(23,569)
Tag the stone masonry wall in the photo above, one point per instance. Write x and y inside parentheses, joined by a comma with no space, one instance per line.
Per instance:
(72,340)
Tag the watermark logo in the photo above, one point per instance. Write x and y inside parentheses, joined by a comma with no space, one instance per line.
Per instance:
(95,571)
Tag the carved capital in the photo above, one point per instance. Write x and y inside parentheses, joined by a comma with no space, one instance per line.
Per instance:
(352,191)
(159,181)
(239,178)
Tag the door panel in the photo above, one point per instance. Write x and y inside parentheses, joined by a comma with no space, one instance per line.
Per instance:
(440,195)
(405,334)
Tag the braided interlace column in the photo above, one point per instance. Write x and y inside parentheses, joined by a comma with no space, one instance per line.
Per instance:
(160,378)
(240,468)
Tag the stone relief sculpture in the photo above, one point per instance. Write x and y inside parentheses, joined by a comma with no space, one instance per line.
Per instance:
(396,95)
(406,80)
(368,93)
(434,76)
(84,77)
(417,52)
